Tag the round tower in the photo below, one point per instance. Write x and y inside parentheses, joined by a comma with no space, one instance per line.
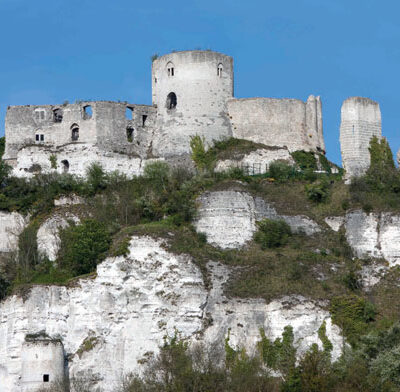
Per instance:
(360,121)
(42,363)
(190,90)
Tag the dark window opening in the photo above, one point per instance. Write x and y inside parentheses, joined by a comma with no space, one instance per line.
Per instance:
(46,377)
(75,133)
(39,114)
(87,112)
(155,80)
(57,115)
(37,138)
(42,138)
(219,70)
(129,113)
(171,101)
(129,134)
(65,165)
(144,118)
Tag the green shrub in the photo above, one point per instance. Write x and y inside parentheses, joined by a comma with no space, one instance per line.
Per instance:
(352,314)
(83,246)
(325,165)
(272,233)
(96,178)
(204,160)
(53,161)
(317,192)
(157,174)
(281,171)
(305,160)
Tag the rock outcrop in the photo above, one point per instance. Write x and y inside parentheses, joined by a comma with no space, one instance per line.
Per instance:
(374,235)
(132,303)
(229,217)
(11,226)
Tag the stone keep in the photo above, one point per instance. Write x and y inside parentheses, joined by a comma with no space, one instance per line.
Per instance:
(190,91)
(42,363)
(361,120)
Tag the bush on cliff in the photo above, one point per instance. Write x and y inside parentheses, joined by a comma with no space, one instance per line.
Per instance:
(83,246)
(272,233)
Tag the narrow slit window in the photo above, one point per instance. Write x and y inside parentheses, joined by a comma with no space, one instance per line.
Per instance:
(74,133)
(46,378)
(42,138)
(170,69)
(37,138)
(144,119)
(129,134)
(219,70)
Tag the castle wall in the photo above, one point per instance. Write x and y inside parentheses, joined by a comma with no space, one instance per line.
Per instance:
(106,127)
(202,82)
(42,363)
(289,123)
(361,120)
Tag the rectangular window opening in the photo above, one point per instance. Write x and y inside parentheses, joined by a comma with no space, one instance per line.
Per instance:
(144,118)
(37,138)
(42,138)
(46,377)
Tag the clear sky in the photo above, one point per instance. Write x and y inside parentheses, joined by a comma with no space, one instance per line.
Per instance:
(58,50)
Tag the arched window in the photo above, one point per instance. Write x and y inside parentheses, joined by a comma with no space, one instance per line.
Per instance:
(87,112)
(129,113)
(129,134)
(171,101)
(170,69)
(219,70)
(65,166)
(74,132)
(57,115)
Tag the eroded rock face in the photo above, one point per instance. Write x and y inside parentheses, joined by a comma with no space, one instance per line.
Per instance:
(228,217)
(11,226)
(133,302)
(374,235)
(48,235)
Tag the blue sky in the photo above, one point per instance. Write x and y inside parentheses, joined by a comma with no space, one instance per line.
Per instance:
(58,50)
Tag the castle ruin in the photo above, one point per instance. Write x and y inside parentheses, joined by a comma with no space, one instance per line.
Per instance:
(192,94)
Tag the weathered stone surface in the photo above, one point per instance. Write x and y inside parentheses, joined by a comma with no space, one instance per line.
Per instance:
(48,235)
(228,218)
(361,120)
(256,162)
(374,235)
(133,302)
(11,225)
(68,201)
(289,123)
(78,158)
(334,222)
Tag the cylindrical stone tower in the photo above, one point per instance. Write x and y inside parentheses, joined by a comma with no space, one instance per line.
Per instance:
(42,363)
(190,90)
(361,120)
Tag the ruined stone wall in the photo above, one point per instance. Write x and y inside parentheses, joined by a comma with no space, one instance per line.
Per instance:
(125,128)
(106,126)
(202,82)
(361,120)
(289,123)
(23,123)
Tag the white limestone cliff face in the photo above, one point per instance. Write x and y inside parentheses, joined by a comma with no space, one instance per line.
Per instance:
(375,235)
(48,234)
(11,226)
(133,302)
(229,217)
(256,162)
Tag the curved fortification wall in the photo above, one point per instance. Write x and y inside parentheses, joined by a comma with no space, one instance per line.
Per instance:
(42,363)
(361,120)
(289,123)
(190,90)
